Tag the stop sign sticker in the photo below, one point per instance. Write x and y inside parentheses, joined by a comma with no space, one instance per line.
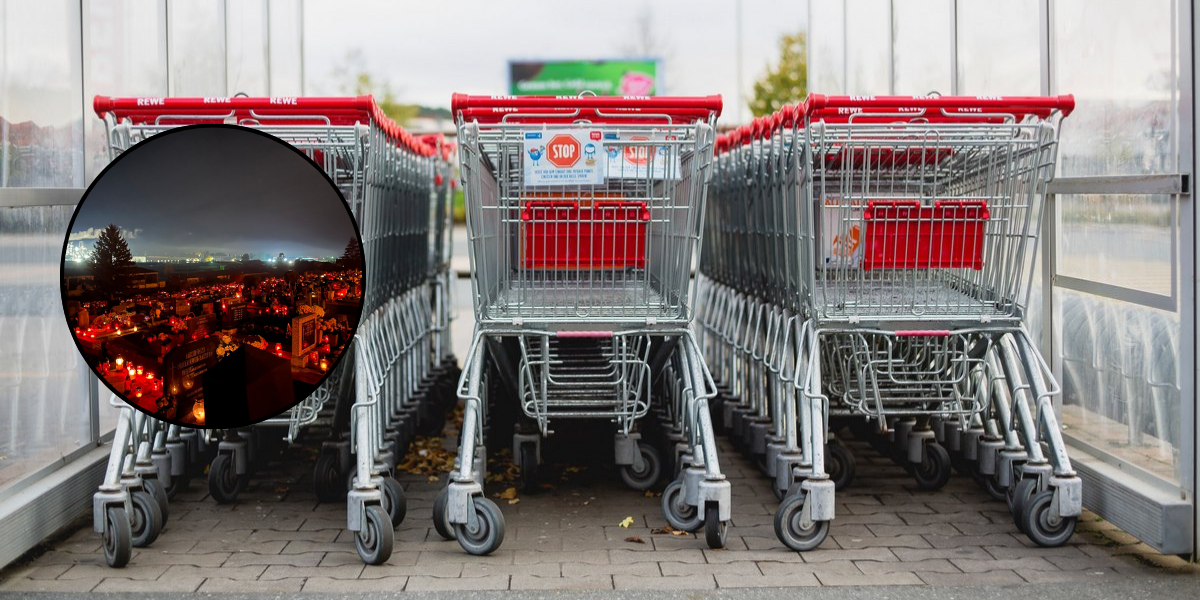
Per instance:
(563,151)
(564,157)
(639,155)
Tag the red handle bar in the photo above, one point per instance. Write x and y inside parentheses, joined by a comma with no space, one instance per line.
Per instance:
(713,103)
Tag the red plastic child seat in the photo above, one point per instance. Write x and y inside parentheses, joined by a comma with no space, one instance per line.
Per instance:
(902,234)
(607,234)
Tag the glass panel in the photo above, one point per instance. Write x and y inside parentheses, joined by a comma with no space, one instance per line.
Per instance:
(1121,380)
(287,47)
(998,47)
(867,47)
(247,47)
(826,47)
(41,127)
(921,46)
(43,380)
(126,56)
(197,41)
(1119,63)
(1123,240)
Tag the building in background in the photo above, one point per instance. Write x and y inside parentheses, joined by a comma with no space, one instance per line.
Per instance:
(1115,301)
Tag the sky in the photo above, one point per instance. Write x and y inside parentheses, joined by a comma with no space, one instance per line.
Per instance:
(428,50)
(217,190)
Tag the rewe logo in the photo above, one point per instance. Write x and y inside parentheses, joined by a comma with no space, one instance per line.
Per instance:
(563,151)
(639,155)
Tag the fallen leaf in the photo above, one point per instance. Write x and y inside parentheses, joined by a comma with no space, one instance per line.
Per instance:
(635,539)
(433,478)
(508,494)
(514,501)
(281,490)
(626,523)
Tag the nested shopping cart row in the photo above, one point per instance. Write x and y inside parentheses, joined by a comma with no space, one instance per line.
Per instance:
(397,378)
(866,263)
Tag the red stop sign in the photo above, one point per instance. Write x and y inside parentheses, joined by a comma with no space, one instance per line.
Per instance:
(563,151)
(639,155)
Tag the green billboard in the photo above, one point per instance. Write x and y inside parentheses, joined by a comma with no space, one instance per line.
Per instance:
(622,77)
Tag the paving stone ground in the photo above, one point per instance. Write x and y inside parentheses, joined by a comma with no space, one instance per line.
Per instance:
(278,538)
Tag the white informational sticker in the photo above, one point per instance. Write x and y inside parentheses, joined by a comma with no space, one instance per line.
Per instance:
(640,155)
(564,157)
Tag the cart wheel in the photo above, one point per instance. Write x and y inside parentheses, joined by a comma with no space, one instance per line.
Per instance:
(374,542)
(1018,496)
(223,482)
(488,533)
(715,530)
(395,502)
(154,487)
(779,494)
(992,485)
(650,472)
(1041,524)
(118,540)
(679,514)
(146,521)
(840,465)
(440,523)
(933,472)
(327,482)
(790,530)
(179,483)
(529,466)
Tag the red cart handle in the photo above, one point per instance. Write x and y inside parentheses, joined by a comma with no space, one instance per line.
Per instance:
(338,110)
(491,116)
(1064,103)
(713,103)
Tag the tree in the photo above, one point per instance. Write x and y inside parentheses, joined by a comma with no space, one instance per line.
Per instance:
(352,257)
(280,259)
(787,82)
(109,256)
(645,40)
(357,81)
(246,257)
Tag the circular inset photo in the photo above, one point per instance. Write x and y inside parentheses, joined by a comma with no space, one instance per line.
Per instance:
(212,276)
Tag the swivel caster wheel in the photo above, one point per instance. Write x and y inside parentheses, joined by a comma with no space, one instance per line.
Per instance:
(145,523)
(1018,496)
(329,485)
(395,502)
(840,465)
(487,533)
(223,481)
(374,542)
(440,523)
(679,514)
(933,472)
(118,539)
(528,465)
(791,529)
(155,488)
(179,483)
(644,478)
(1045,528)
(715,530)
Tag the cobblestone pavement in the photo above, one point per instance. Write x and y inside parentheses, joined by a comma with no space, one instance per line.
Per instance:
(277,538)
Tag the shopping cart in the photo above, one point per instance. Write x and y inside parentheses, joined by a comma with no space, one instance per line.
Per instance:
(901,234)
(380,394)
(582,292)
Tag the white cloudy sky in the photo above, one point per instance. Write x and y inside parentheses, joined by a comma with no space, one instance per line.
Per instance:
(427,50)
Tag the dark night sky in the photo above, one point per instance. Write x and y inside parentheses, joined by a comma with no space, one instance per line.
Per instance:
(217,190)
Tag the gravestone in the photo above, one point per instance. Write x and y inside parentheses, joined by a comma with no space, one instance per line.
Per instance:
(182,308)
(184,369)
(247,385)
(234,313)
(305,337)
(201,326)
